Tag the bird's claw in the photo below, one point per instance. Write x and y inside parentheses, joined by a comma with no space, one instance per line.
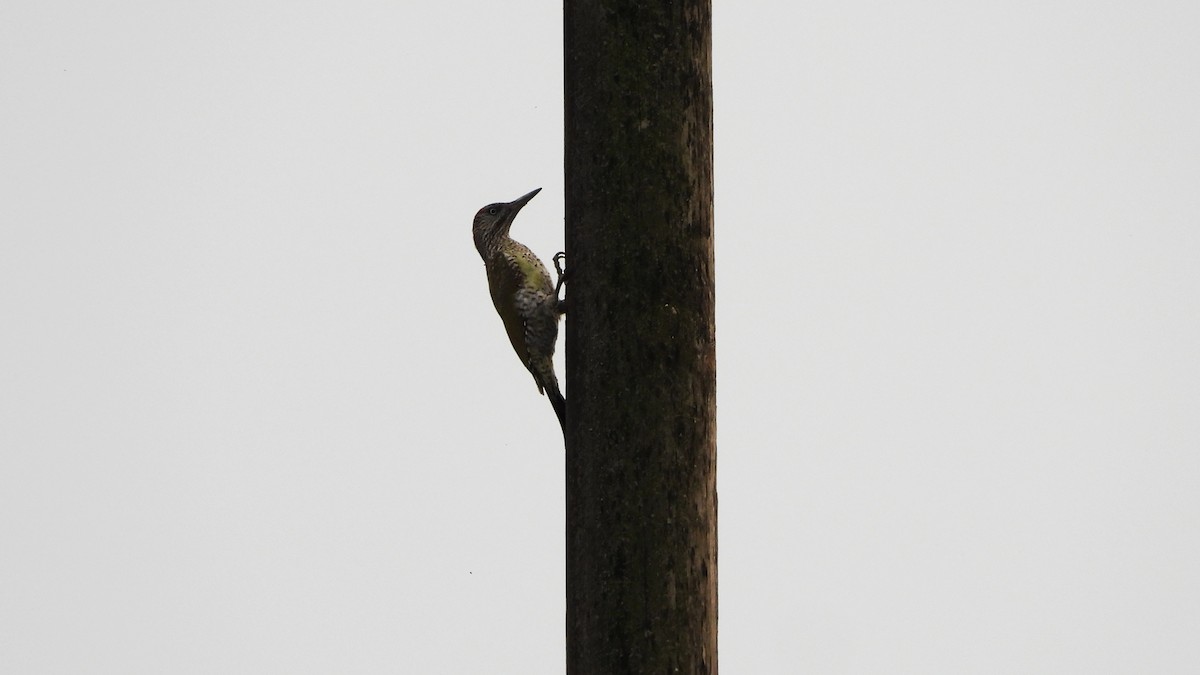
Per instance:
(562,275)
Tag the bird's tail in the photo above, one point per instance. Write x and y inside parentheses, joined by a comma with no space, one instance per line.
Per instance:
(543,375)
(559,404)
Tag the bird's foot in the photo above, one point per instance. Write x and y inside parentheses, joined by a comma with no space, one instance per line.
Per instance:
(562,278)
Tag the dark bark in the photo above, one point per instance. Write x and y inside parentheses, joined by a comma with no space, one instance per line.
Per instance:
(640,344)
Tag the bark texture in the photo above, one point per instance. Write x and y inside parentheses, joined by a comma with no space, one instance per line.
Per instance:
(640,342)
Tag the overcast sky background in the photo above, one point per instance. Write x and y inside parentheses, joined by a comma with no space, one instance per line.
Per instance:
(257,414)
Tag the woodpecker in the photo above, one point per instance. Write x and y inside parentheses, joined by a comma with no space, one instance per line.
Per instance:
(523,294)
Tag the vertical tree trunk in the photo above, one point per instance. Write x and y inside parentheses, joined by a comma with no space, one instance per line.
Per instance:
(641,359)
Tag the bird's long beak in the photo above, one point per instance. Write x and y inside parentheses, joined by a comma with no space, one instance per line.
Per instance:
(523,200)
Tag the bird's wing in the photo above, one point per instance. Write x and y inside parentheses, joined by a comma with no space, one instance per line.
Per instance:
(505,281)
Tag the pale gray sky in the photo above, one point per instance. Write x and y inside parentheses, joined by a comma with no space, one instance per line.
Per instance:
(257,413)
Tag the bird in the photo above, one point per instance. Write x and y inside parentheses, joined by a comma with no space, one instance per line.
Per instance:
(524,296)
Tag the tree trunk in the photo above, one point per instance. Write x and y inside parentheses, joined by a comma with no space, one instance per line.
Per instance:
(640,346)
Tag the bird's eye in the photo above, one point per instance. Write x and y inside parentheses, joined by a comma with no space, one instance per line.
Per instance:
(493,211)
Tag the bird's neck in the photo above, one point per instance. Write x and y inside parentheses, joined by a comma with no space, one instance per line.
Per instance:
(490,243)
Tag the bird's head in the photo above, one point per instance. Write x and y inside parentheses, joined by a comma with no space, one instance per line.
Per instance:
(492,222)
